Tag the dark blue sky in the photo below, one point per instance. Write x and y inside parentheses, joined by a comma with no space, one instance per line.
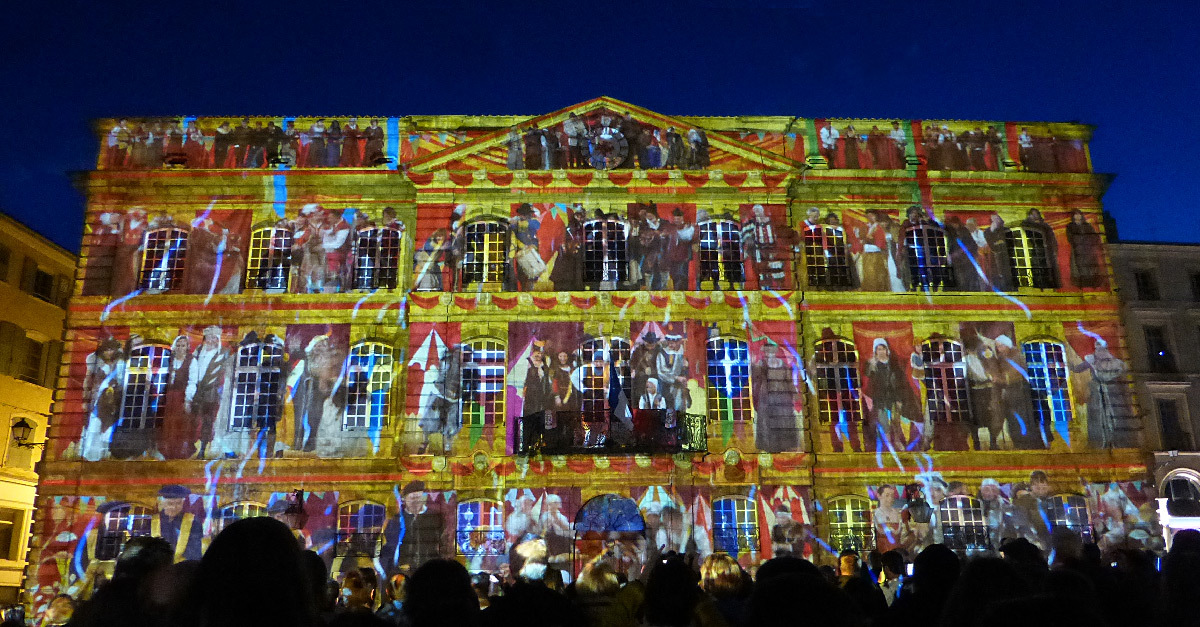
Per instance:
(1129,68)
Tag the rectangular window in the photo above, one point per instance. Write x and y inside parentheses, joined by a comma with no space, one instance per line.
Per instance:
(43,285)
(721,253)
(1158,350)
(1146,284)
(825,257)
(1195,280)
(1174,437)
(483,383)
(728,380)
(35,352)
(9,519)
(5,254)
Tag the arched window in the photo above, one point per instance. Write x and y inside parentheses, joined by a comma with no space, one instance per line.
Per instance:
(484,256)
(728,379)
(1046,365)
(164,252)
(1031,261)
(377,258)
(1183,494)
(1071,511)
(735,525)
(928,258)
(721,253)
(835,366)
(121,523)
(605,260)
(359,526)
(825,256)
(945,381)
(596,355)
(369,385)
(270,259)
(850,524)
(237,511)
(145,387)
(963,525)
(258,379)
(480,528)
(482,389)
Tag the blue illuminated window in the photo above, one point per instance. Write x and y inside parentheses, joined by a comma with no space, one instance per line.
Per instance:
(258,379)
(359,526)
(483,372)
(1070,511)
(377,258)
(964,527)
(945,381)
(369,385)
(735,525)
(825,256)
(721,252)
(728,379)
(480,528)
(1046,364)
(835,368)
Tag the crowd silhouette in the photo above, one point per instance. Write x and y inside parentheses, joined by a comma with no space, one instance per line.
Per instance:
(255,574)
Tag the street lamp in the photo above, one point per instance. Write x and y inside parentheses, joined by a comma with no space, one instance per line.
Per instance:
(21,431)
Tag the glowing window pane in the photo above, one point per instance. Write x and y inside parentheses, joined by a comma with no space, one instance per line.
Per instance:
(836,373)
(258,379)
(1046,364)
(605,263)
(728,379)
(163,256)
(928,259)
(825,257)
(850,524)
(483,253)
(596,355)
(480,529)
(721,252)
(735,525)
(945,381)
(145,388)
(359,526)
(482,391)
(369,385)
(270,259)
(377,258)
(963,525)
(120,524)
(1031,260)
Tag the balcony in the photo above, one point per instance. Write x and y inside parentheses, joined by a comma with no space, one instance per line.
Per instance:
(650,431)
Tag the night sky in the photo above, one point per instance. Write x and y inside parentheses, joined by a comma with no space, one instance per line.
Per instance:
(1129,68)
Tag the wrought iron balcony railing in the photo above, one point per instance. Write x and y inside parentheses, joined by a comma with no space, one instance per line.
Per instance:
(647,431)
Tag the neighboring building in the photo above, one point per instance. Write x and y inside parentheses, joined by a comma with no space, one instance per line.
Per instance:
(36,278)
(763,335)
(1159,285)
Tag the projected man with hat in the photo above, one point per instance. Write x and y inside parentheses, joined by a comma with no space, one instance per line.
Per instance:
(179,528)
(415,535)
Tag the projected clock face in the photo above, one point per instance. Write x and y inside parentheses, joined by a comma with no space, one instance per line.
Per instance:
(609,148)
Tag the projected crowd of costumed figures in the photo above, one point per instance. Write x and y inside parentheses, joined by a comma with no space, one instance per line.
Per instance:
(600,139)
(628,531)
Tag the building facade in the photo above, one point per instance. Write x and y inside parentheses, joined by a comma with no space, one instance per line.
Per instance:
(1159,286)
(614,329)
(36,278)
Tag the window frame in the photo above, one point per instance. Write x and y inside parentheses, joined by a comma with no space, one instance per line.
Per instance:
(493,532)
(1164,363)
(721,259)
(1064,512)
(740,407)
(492,237)
(1145,284)
(1051,392)
(611,253)
(239,509)
(366,356)
(864,531)
(928,271)
(269,261)
(1030,263)
(377,254)
(129,520)
(163,259)
(594,398)
(848,390)
(150,412)
(968,523)
(828,274)
(257,418)
(960,410)
(745,525)
(493,405)
(346,535)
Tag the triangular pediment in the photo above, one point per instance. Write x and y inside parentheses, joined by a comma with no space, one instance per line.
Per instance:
(490,150)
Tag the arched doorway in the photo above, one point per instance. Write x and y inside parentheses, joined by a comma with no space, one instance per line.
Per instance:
(611,525)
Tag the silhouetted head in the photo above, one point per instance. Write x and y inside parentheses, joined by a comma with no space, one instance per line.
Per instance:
(440,593)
